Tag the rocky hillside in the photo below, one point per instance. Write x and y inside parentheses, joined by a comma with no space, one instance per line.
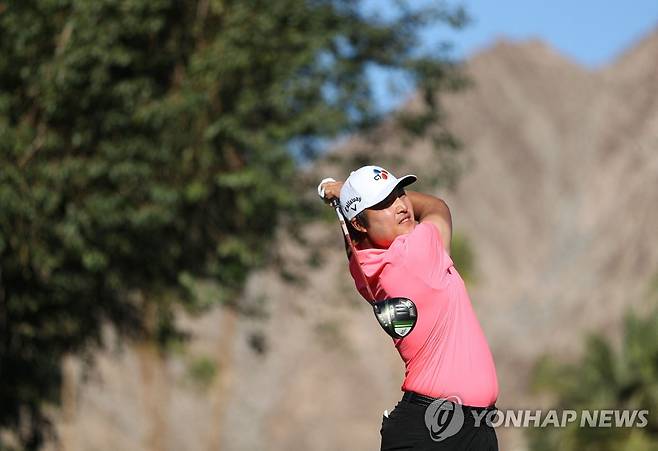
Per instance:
(559,200)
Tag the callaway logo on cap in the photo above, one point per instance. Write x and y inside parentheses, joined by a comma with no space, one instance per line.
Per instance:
(367,186)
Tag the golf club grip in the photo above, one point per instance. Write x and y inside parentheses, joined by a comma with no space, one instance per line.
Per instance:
(351,249)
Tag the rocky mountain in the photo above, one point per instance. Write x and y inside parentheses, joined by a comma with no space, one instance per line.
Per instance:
(559,200)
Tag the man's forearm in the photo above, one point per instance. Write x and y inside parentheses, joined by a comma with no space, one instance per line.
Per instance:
(434,210)
(425,205)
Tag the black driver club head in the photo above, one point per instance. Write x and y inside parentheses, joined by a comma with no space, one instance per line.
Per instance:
(397,316)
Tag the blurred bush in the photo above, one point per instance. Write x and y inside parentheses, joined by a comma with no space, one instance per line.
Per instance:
(202,371)
(146,144)
(463,256)
(605,378)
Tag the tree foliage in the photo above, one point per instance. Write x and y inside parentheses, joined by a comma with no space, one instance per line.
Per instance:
(146,143)
(605,379)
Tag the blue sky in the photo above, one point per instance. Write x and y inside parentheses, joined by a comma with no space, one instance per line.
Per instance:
(590,32)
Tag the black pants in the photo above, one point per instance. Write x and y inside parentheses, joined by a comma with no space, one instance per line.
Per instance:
(406,429)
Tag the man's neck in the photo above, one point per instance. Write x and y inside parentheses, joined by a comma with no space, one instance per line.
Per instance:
(365,243)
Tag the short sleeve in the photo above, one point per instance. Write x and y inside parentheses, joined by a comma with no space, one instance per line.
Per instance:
(423,254)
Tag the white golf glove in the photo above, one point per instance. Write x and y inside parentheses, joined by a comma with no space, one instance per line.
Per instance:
(321,188)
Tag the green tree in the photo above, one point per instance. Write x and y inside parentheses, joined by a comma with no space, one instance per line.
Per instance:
(605,379)
(146,143)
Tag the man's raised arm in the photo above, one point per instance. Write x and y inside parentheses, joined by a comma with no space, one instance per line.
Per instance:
(434,210)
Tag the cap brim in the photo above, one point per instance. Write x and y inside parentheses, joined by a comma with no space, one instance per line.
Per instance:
(402,181)
(406,180)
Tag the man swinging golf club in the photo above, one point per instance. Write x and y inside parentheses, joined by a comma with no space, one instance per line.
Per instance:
(399,256)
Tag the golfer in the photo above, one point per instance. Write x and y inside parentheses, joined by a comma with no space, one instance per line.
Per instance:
(403,246)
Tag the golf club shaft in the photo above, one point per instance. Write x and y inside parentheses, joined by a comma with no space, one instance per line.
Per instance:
(351,249)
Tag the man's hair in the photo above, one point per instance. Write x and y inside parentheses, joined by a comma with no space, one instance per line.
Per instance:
(356,235)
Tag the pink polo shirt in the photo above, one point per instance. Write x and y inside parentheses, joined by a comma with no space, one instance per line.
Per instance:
(446,354)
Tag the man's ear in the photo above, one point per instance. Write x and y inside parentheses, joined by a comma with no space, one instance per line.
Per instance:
(357,225)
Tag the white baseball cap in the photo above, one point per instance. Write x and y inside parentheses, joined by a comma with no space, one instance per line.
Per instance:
(367,186)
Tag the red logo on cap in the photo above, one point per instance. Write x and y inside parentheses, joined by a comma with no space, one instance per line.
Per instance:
(380,174)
